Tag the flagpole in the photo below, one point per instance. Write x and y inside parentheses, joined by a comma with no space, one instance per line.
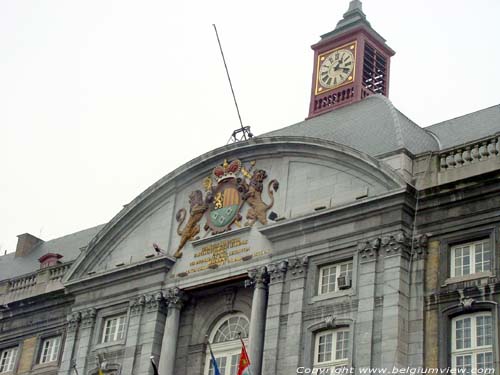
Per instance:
(73,365)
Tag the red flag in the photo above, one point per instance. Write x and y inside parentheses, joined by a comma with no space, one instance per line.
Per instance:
(244,365)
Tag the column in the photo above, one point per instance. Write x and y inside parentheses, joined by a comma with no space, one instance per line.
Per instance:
(297,272)
(133,332)
(85,336)
(277,273)
(396,250)
(363,343)
(259,278)
(69,344)
(174,299)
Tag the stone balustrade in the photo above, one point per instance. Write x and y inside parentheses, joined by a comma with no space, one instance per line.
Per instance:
(35,283)
(468,154)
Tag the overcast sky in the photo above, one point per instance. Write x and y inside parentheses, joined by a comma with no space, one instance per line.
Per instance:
(101,98)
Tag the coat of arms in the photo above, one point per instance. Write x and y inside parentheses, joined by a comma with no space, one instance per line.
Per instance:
(234,185)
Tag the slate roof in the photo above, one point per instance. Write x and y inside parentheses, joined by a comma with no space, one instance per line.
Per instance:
(68,246)
(373,126)
(467,128)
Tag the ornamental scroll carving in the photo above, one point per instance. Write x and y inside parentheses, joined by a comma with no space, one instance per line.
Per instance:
(277,271)
(396,244)
(175,298)
(368,250)
(259,277)
(298,266)
(74,321)
(88,318)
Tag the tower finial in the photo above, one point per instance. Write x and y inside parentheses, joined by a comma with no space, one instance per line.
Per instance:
(355,4)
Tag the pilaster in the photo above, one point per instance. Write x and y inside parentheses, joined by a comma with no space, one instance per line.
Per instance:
(136,310)
(368,256)
(297,272)
(277,273)
(69,345)
(84,339)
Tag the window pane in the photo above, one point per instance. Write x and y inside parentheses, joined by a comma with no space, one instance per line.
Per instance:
(482,257)
(325,348)
(464,362)
(328,279)
(342,345)
(8,359)
(484,360)
(235,361)
(484,330)
(463,333)
(221,365)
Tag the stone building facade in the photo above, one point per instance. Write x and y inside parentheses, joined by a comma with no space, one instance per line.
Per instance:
(352,239)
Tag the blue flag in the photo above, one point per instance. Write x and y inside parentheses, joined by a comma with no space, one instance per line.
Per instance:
(214,362)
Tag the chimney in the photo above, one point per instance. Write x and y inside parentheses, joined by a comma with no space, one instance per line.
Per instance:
(25,243)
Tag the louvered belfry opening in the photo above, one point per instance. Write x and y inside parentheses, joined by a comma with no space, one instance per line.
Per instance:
(374,71)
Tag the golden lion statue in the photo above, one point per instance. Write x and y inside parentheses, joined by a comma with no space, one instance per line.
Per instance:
(197,208)
(253,196)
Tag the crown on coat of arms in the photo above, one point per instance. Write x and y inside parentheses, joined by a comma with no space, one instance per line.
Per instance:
(226,170)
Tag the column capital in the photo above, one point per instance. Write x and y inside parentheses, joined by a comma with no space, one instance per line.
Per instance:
(368,250)
(154,302)
(420,246)
(259,277)
(137,305)
(88,317)
(74,320)
(277,270)
(298,266)
(175,298)
(396,244)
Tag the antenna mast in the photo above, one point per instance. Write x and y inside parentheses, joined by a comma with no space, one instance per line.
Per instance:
(243,133)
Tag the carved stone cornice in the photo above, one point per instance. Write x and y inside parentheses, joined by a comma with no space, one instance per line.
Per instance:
(420,246)
(298,266)
(396,244)
(154,302)
(259,277)
(277,271)
(137,305)
(74,321)
(88,318)
(368,250)
(175,298)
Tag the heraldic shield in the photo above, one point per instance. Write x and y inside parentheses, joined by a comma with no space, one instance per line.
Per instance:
(226,200)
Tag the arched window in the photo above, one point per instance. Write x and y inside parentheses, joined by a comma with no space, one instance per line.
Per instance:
(472,342)
(226,344)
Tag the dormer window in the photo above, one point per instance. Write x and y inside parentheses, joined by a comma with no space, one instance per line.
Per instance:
(49,259)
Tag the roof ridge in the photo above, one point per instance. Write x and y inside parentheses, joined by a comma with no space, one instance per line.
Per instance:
(467,114)
(397,123)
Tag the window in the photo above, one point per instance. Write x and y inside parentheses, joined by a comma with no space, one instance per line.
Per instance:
(226,344)
(472,342)
(335,277)
(7,359)
(114,328)
(50,349)
(470,258)
(331,349)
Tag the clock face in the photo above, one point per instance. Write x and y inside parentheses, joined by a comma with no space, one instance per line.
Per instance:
(335,68)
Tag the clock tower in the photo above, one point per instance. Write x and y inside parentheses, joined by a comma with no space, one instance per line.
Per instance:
(350,63)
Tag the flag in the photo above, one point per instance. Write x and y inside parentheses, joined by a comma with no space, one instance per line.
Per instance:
(213,361)
(155,368)
(244,365)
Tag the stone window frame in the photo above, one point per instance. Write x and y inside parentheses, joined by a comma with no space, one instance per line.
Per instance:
(454,311)
(8,345)
(466,236)
(106,313)
(329,323)
(38,348)
(327,259)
